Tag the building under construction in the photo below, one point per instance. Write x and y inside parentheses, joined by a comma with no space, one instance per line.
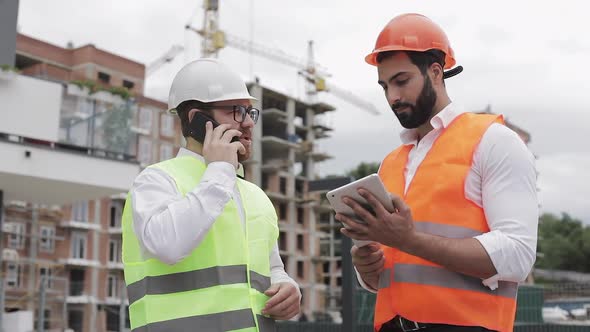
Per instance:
(64,252)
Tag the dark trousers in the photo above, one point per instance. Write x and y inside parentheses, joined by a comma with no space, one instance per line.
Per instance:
(394,326)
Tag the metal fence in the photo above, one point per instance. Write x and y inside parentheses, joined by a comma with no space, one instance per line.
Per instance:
(561,307)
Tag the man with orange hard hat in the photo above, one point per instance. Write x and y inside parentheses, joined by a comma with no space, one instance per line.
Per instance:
(464,230)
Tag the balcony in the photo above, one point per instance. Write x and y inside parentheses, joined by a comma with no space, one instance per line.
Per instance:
(273,115)
(76,293)
(80,225)
(55,173)
(115,230)
(321,107)
(110,300)
(115,265)
(310,149)
(79,262)
(276,164)
(35,167)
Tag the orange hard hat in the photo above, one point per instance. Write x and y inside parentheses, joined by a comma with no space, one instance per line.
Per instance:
(412,32)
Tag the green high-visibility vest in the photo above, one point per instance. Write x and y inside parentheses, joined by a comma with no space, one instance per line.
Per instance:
(220,285)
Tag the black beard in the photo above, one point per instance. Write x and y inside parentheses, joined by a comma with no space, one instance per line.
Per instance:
(420,113)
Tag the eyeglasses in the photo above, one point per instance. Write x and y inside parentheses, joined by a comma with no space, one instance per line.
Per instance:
(240,112)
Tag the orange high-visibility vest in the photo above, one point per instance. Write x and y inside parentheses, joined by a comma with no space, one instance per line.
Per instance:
(420,290)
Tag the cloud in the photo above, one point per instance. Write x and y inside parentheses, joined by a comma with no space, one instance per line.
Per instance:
(527,64)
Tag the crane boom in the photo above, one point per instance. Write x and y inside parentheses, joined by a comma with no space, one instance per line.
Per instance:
(311,70)
(165,58)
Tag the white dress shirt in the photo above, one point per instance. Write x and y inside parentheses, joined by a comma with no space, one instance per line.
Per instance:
(170,226)
(502,181)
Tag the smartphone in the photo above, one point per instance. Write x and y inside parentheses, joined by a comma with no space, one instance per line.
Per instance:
(371,183)
(197,127)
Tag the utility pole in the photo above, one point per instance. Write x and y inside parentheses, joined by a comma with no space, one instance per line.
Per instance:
(122,309)
(41,314)
(349,321)
(1,264)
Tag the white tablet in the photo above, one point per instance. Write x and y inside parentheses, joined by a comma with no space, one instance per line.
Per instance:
(371,183)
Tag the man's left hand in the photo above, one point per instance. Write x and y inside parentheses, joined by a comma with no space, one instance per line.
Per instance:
(393,229)
(284,302)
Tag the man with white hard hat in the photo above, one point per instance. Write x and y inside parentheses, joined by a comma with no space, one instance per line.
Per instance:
(200,242)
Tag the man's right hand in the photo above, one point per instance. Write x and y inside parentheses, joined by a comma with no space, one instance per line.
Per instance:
(369,261)
(217,145)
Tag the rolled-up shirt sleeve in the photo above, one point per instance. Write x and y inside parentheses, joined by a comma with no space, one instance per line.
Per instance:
(510,203)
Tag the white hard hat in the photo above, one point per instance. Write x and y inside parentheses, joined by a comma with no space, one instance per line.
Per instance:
(206,80)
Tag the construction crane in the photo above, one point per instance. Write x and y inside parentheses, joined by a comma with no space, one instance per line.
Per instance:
(315,74)
(165,58)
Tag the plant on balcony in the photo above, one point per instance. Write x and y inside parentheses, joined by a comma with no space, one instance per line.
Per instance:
(91,85)
(7,68)
(120,91)
(8,72)
(94,87)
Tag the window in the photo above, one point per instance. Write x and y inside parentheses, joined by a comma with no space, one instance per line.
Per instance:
(47,239)
(283,211)
(79,245)
(46,272)
(75,319)
(115,215)
(165,151)
(112,286)
(283,185)
(104,77)
(145,119)
(300,272)
(145,151)
(285,260)
(128,84)
(13,275)
(167,125)
(339,281)
(300,216)
(114,253)
(80,211)
(17,237)
(264,181)
(282,241)
(300,242)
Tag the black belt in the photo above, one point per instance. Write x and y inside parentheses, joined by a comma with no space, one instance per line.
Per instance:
(400,324)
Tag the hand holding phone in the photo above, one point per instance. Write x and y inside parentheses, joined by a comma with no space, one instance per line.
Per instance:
(220,143)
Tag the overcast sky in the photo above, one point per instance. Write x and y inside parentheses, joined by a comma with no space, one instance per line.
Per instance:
(527,59)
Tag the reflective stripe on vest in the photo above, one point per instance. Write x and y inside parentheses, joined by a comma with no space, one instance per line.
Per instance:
(192,280)
(437,276)
(223,321)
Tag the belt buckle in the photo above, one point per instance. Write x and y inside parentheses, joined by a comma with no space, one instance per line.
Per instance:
(401,324)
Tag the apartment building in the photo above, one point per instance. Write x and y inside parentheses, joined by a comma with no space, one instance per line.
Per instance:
(287,153)
(77,245)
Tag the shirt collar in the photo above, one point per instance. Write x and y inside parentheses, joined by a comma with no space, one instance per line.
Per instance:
(439,121)
(186,152)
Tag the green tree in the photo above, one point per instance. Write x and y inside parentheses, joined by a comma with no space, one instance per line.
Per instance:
(563,243)
(363,169)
